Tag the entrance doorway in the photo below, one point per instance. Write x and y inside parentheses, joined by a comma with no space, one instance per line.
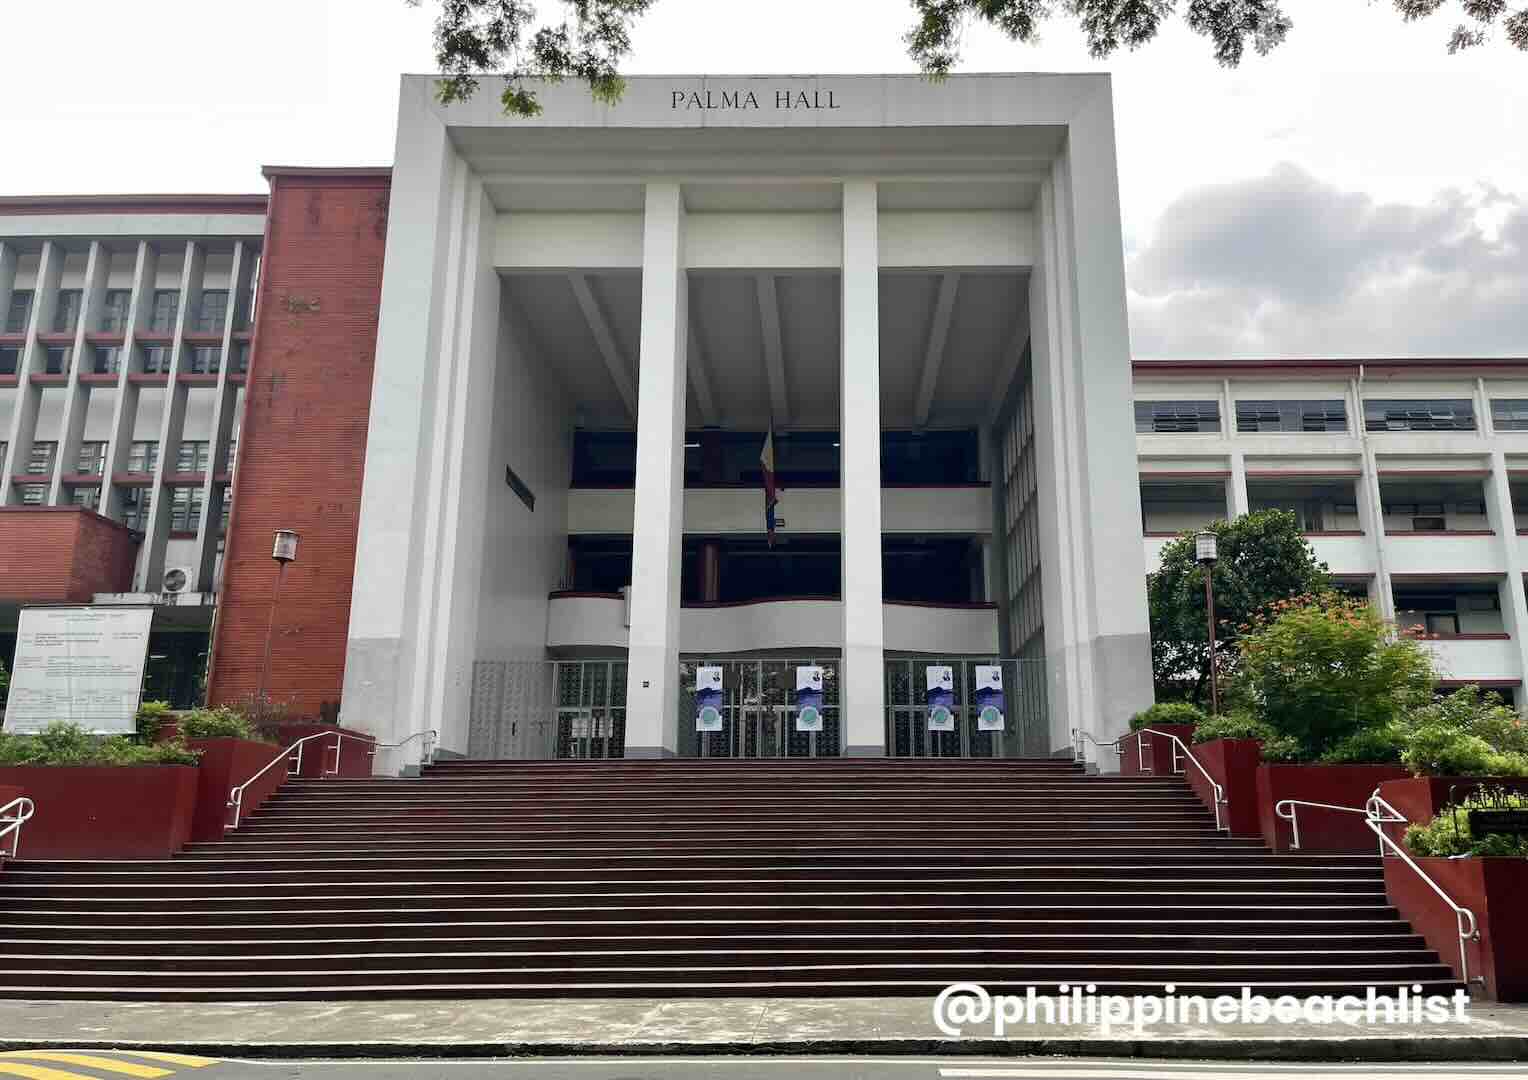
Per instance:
(759,711)
(1026,721)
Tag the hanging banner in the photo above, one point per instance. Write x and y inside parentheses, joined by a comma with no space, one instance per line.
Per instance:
(708,699)
(941,698)
(809,699)
(989,697)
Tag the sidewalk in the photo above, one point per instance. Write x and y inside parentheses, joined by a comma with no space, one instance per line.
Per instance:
(469,1028)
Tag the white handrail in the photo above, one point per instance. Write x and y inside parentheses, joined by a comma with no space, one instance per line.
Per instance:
(1182,753)
(236,795)
(426,756)
(1294,822)
(1079,751)
(1468,926)
(24,808)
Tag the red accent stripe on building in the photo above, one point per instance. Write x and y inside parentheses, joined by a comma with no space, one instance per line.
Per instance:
(132,204)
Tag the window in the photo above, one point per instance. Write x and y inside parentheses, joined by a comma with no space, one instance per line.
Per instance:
(191,456)
(40,458)
(1329,415)
(240,359)
(136,503)
(1442,414)
(114,311)
(230,456)
(106,360)
(164,310)
(18,312)
(143,456)
(33,494)
(156,359)
(223,517)
(206,359)
(88,497)
(926,458)
(92,460)
(1176,417)
(56,359)
(10,360)
(185,509)
(213,312)
(66,313)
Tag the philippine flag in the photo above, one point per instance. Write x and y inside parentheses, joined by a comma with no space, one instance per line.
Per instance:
(771,496)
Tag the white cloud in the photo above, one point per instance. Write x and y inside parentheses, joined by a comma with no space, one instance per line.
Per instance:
(1285,264)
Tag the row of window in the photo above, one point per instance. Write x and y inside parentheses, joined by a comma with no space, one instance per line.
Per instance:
(191,456)
(108,359)
(164,308)
(1380,414)
(185,505)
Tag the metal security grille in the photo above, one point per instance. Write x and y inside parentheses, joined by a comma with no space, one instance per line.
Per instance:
(530,709)
(1027,719)
(759,711)
(591,709)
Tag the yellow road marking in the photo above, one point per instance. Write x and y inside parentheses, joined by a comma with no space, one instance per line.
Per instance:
(190,1061)
(91,1061)
(37,1072)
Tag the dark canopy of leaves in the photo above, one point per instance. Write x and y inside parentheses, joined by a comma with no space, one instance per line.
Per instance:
(476,37)
(1263,559)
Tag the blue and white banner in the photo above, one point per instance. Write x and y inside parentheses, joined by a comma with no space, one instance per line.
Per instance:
(708,699)
(809,699)
(989,697)
(941,698)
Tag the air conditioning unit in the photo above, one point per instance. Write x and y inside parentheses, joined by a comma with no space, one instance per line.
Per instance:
(176,581)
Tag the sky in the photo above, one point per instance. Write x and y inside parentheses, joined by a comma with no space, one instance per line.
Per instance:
(1357,193)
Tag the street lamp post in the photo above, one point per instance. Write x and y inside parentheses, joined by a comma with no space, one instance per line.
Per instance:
(283,551)
(1206,551)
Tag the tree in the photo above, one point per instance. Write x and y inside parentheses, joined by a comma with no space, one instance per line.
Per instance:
(1264,558)
(479,37)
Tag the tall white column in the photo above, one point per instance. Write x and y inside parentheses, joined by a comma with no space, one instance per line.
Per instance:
(1503,518)
(862,678)
(1237,503)
(652,684)
(23,429)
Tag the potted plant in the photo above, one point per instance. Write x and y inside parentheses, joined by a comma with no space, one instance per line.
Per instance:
(1152,755)
(1482,870)
(100,798)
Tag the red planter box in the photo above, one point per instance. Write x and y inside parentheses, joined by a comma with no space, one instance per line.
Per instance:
(227,763)
(1152,755)
(318,756)
(1234,764)
(105,812)
(1492,889)
(1328,831)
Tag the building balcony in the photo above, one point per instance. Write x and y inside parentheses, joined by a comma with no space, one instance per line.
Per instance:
(1424,553)
(594,622)
(963,510)
(1488,658)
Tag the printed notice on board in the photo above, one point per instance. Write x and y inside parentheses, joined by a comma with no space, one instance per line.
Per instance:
(83,665)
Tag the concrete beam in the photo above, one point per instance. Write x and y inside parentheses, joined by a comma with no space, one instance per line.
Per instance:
(700,382)
(933,355)
(599,326)
(774,353)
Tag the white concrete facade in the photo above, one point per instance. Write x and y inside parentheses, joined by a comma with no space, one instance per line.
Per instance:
(1407,494)
(639,232)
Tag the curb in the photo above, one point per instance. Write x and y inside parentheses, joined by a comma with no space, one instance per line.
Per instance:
(1465,1048)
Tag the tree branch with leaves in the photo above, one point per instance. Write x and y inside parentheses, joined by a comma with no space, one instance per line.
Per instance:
(474,38)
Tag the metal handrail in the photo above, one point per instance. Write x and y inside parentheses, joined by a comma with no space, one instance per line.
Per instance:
(24,808)
(1294,822)
(426,757)
(1079,750)
(1468,925)
(236,795)
(1182,753)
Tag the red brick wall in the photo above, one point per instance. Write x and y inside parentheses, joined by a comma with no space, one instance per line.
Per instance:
(62,554)
(302,444)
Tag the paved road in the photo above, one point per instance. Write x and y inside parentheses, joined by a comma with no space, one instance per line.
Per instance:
(141,1065)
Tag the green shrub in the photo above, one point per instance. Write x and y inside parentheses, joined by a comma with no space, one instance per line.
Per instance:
(1319,669)
(1466,733)
(70,744)
(1167,712)
(150,719)
(1232,725)
(1376,746)
(1449,834)
(219,723)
